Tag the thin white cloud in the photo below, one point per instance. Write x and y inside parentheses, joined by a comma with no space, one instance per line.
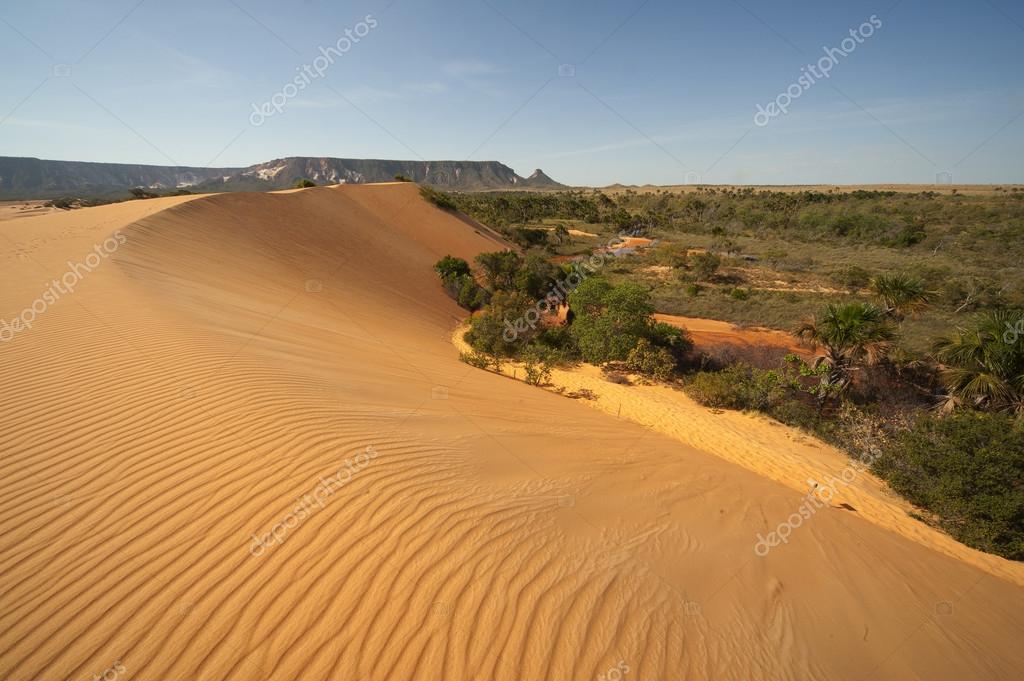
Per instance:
(469,68)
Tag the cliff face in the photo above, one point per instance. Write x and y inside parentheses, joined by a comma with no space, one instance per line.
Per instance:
(36,178)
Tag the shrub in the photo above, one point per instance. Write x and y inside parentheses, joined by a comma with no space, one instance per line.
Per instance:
(439,199)
(450,267)
(852,278)
(705,265)
(969,471)
(402,178)
(739,294)
(476,359)
(471,295)
(302,183)
(538,368)
(459,283)
(527,237)
(650,360)
(500,269)
(738,386)
(693,290)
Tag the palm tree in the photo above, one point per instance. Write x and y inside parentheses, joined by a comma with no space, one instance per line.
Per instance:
(983,364)
(900,293)
(850,335)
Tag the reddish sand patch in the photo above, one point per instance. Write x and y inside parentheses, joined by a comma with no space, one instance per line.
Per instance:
(709,333)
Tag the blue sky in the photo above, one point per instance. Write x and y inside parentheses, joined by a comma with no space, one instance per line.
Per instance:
(628,91)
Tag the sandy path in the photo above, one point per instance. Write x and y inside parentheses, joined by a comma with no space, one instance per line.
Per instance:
(238,349)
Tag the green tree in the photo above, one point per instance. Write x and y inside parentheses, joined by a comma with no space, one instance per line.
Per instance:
(500,269)
(851,335)
(500,330)
(449,267)
(983,364)
(535,276)
(302,183)
(609,321)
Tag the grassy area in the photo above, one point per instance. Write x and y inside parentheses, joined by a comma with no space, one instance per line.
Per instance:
(787,253)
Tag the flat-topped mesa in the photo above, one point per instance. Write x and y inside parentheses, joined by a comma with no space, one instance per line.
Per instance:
(33,178)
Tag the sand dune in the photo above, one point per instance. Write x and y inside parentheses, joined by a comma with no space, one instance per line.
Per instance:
(280,364)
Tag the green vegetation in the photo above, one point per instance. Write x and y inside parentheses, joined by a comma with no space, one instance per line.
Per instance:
(459,283)
(851,335)
(303,183)
(901,293)
(439,199)
(968,470)
(919,344)
(737,386)
(983,364)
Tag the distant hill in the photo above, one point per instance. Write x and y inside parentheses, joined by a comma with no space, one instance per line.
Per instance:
(33,178)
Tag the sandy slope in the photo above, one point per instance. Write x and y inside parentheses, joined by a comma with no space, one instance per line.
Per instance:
(237,348)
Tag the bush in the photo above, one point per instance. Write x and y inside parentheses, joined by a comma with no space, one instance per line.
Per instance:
(451,267)
(649,360)
(476,359)
(705,265)
(459,283)
(538,368)
(302,183)
(402,178)
(738,386)
(739,294)
(471,295)
(969,471)
(527,237)
(852,278)
(439,199)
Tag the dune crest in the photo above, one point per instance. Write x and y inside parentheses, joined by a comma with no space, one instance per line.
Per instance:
(239,350)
